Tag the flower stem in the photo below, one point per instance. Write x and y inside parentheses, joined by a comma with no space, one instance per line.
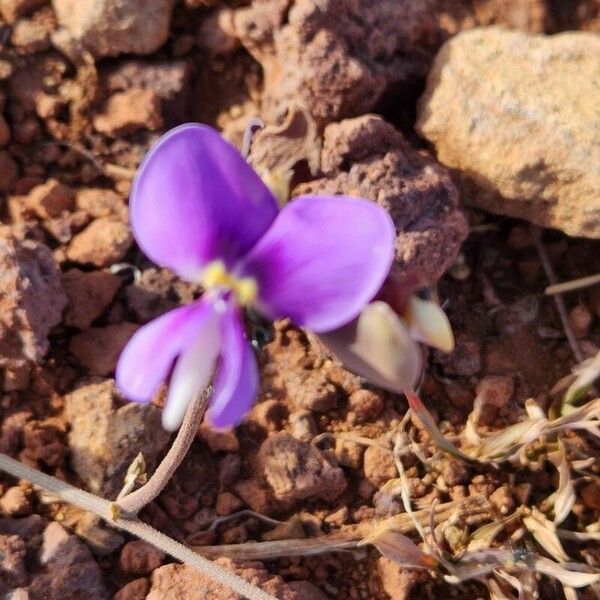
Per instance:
(132,503)
(105,509)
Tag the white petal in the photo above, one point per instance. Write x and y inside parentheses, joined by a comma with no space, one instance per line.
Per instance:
(429,324)
(192,373)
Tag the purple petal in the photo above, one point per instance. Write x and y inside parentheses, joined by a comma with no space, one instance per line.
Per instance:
(322,260)
(195,199)
(148,357)
(236,382)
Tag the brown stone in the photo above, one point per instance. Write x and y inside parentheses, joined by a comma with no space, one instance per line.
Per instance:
(4,132)
(106,29)
(296,470)
(134,590)
(104,242)
(11,10)
(89,294)
(50,199)
(12,560)
(101,202)
(140,558)
(99,348)
(9,170)
(31,300)
(128,112)
(106,436)
(516,115)
(15,502)
(368,158)
(379,465)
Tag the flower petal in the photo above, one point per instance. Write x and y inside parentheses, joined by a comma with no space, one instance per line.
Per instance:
(195,199)
(193,370)
(378,347)
(322,260)
(146,360)
(236,382)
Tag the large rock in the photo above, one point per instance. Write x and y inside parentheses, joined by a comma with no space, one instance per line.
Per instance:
(106,436)
(112,27)
(367,157)
(31,300)
(518,116)
(337,57)
(296,470)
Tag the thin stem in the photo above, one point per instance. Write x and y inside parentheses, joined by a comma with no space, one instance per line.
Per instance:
(132,503)
(560,304)
(106,510)
(573,285)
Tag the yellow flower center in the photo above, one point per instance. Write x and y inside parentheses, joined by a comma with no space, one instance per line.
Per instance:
(216,275)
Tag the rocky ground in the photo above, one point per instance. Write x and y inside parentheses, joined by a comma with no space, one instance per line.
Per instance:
(456,144)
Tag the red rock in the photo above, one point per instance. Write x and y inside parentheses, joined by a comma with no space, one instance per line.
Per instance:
(104,242)
(101,202)
(64,227)
(128,112)
(335,58)
(49,106)
(4,132)
(229,469)
(296,470)
(367,157)
(12,560)
(365,404)
(397,582)
(44,444)
(170,80)
(13,9)
(31,300)
(89,294)
(254,495)
(140,558)
(99,348)
(134,590)
(9,170)
(106,435)
(178,505)
(72,572)
(227,503)
(15,502)
(30,36)
(185,583)
(219,440)
(50,199)
(137,27)
(379,465)
(496,390)
(217,33)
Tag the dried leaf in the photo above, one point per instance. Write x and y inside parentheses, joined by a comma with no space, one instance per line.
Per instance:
(507,442)
(570,574)
(496,592)
(514,582)
(419,410)
(484,536)
(402,550)
(565,495)
(585,374)
(544,532)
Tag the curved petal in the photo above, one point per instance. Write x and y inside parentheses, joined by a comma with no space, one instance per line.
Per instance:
(193,370)
(236,382)
(148,356)
(378,347)
(196,199)
(322,260)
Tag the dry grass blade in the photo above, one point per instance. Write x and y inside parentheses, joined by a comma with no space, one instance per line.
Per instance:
(475,565)
(570,574)
(544,532)
(565,495)
(419,410)
(513,581)
(485,535)
(279,548)
(578,536)
(402,550)
(496,592)
(585,374)
(509,441)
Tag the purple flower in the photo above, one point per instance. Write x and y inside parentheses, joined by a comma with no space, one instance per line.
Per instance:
(199,209)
